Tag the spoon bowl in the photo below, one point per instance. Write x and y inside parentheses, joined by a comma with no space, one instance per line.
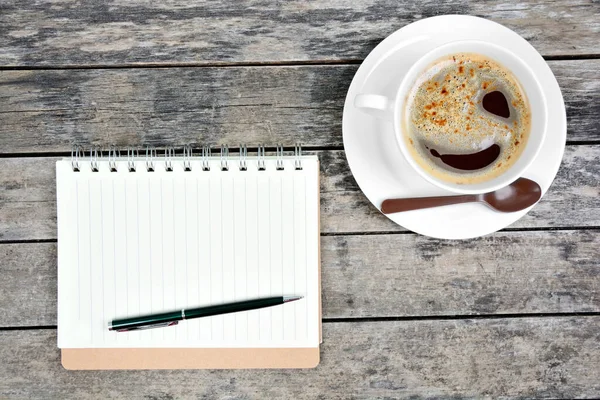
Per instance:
(517,196)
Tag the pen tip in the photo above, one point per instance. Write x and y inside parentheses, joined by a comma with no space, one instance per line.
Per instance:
(287,299)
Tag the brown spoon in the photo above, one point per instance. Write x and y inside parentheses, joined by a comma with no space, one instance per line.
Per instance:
(517,196)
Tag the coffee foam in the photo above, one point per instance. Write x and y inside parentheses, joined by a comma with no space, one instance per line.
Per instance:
(443,112)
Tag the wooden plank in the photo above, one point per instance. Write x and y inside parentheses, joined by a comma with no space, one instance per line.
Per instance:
(386,276)
(29,283)
(180,31)
(48,110)
(504,273)
(28,205)
(27,198)
(508,358)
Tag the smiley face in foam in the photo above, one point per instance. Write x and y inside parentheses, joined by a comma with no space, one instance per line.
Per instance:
(466,118)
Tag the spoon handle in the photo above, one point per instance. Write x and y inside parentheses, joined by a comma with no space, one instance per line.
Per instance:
(416,203)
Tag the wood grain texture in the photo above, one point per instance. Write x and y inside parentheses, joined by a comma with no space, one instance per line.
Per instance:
(139,32)
(512,358)
(28,282)
(45,111)
(504,273)
(28,197)
(386,276)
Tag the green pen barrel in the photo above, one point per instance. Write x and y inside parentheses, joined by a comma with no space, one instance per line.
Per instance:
(147,320)
(171,318)
(232,307)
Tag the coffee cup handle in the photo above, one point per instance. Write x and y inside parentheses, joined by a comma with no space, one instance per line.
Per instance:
(374,104)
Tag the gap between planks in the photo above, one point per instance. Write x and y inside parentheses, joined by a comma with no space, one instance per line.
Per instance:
(532,229)
(177,148)
(373,233)
(197,150)
(216,64)
(394,319)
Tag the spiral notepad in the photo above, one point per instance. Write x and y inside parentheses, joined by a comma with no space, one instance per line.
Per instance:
(148,233)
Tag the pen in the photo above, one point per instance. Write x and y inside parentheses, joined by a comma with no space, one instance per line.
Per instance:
(172,318)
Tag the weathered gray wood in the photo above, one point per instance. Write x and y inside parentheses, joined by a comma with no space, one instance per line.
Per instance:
(261,31)
(49,110)
(510,272)
(28,205)
(28,282)
(510,358)
(386,276)
(27,198)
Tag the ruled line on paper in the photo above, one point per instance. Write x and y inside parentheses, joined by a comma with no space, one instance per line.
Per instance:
(246,248)
(270,264)
(222,269)
(210,250)
(185,218)
(78,252)
(294,249)
(234,319)
(126,250)
(198,248)
(282,249)
(162,248)
(137,220)
(150,247)
(258,248)
(306,260)
(114,246)
(90,275)
(174,253)
(102,252)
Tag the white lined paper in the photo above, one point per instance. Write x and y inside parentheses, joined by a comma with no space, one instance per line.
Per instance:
(264,254)
(135,243)
(240,281)
(204,267)
(120,254)
(133,293)
(145,265)
(228,247)
(96,282)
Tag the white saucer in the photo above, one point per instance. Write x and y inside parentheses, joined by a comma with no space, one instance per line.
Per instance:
(371,148)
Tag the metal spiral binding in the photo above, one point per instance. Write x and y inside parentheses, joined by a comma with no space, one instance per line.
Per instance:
(113,153)
(132,154)
(187,154)
(260,154)
(243,157)
(279,161)
(76,151)
(206,158)
(169,153)
(298,156)
(94,158)
(150,156)
(224,157)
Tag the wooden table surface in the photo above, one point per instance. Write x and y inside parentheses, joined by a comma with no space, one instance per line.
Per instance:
(514,314)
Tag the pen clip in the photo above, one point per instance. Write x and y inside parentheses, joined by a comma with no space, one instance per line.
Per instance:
(143,327)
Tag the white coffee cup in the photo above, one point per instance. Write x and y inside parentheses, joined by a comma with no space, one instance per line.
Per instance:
(389,108)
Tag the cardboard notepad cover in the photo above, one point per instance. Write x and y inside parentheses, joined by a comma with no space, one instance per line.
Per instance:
(197,358)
